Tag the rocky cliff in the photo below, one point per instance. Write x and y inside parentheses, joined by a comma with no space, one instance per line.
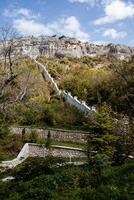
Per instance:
(70,47)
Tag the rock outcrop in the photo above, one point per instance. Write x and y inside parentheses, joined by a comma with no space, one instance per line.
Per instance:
(70,47)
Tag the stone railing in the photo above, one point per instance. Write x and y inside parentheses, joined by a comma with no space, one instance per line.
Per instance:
(56,134)
(48,77)
(36,150)
(73,101)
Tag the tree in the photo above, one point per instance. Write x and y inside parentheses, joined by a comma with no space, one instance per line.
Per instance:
(111,137)
(8,51)
(124,71)
(125,142)
(9,54)
(48,141)
(101,142)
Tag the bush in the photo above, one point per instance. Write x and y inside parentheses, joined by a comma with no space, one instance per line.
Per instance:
(4,131)
(34,167)
(33,137)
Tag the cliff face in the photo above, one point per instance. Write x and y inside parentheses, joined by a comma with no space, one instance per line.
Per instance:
(70,47)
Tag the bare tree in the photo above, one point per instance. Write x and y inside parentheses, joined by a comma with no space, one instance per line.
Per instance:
(8,56)
(8,37)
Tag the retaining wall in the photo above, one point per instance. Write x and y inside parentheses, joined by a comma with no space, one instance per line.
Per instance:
(56,134)
(23,155)
(56,151)
(36,150)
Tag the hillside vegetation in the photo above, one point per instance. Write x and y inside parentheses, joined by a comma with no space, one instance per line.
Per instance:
(95,81)
(39,179)
(26,99)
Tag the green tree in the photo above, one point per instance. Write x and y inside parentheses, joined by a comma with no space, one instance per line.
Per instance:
(48,142)
(101,142)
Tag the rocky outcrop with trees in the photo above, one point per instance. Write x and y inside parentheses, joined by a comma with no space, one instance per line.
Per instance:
(69,47)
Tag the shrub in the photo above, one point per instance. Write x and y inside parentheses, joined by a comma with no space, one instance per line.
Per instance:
(33,137)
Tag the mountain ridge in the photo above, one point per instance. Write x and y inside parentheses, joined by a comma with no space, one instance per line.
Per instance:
(50,46)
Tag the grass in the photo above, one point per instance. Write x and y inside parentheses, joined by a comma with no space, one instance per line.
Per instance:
(69,144)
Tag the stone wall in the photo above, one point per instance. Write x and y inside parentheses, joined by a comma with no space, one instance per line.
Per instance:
(56,134)
(48,77)
(36,150)
(73,101)
(78,104)
(23,155)
(56,151)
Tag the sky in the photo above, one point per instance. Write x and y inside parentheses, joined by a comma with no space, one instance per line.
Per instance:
(95,21)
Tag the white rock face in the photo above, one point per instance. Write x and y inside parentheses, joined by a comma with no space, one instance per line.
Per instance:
(70,47)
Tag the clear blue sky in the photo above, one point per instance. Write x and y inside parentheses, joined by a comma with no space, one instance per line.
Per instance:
(99,21)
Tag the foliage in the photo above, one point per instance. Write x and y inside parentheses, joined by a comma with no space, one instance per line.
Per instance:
(48,142)
(59,114)
(33,137)
(3,131)
(10,146)
(35,180)
(110,138)
(112,83)
(35,167)
(109,173)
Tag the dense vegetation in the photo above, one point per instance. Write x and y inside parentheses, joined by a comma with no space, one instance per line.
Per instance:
(28,100)
(95,81)
(39,106)
(42,179)
(109,81)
